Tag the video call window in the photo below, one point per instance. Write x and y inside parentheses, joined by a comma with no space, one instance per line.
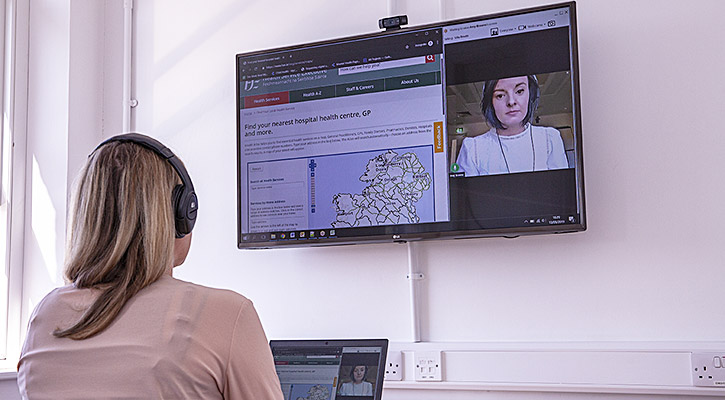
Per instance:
(511,128)
(358,374)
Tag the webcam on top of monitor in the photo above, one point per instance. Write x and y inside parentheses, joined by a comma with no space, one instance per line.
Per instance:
(391,23)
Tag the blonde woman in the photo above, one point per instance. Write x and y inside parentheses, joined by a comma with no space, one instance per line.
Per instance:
(123,327)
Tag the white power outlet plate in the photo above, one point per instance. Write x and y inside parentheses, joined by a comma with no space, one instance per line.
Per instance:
(394,366)
(428,366)
(708,369)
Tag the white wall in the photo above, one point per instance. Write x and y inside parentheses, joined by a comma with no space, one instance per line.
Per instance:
(648,269)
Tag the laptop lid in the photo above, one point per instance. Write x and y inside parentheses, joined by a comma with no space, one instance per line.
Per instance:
(349,369)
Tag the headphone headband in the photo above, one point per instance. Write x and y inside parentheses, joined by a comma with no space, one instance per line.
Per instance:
(183,197)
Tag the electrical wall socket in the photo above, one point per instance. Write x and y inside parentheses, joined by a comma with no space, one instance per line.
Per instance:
(708,369)
(394,366)
(428,366)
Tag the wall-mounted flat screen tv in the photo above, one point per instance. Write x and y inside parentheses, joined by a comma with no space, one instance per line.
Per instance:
(466,128)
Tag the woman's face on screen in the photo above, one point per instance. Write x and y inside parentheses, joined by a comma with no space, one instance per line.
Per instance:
(359,373)
(511,100)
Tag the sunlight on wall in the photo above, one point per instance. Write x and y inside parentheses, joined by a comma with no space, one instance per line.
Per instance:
(5,230)
(192,52)
(4,271)
(177,22)
(190,49)
(43,221)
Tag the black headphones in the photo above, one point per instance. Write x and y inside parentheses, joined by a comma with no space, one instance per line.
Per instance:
(183,198)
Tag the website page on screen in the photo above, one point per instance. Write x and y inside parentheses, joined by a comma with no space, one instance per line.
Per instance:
(318,143)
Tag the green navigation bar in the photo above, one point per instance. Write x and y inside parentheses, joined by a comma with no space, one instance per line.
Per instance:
(369,86)
(349,89)
(324,92)
(314,362)
(409,81)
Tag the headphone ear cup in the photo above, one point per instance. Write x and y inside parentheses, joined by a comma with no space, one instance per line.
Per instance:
(179,212)
(185,205)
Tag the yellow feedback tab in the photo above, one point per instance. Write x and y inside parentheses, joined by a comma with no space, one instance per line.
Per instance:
(438,136)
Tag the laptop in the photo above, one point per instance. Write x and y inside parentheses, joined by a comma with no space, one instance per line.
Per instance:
(349,369)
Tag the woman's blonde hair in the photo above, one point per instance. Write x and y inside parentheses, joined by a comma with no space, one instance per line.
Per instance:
(120,231)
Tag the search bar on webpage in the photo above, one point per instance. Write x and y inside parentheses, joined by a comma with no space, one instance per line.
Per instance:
(386,65)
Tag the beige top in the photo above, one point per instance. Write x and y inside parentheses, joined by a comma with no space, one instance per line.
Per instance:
(172,340)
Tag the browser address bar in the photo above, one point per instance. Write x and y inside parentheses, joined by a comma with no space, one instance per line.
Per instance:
(385,65)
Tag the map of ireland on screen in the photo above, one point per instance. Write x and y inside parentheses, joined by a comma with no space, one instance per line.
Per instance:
(395,183)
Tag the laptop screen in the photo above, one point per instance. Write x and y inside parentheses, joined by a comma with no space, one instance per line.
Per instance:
(330,369)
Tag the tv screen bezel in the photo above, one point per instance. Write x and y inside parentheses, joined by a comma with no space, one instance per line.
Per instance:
(396,233)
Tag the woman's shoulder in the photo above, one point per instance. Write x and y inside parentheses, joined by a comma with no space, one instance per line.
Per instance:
(65,302)
(488,135)
(481,139)
(68,294)
(547,130)
(60,292)
(214,295)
